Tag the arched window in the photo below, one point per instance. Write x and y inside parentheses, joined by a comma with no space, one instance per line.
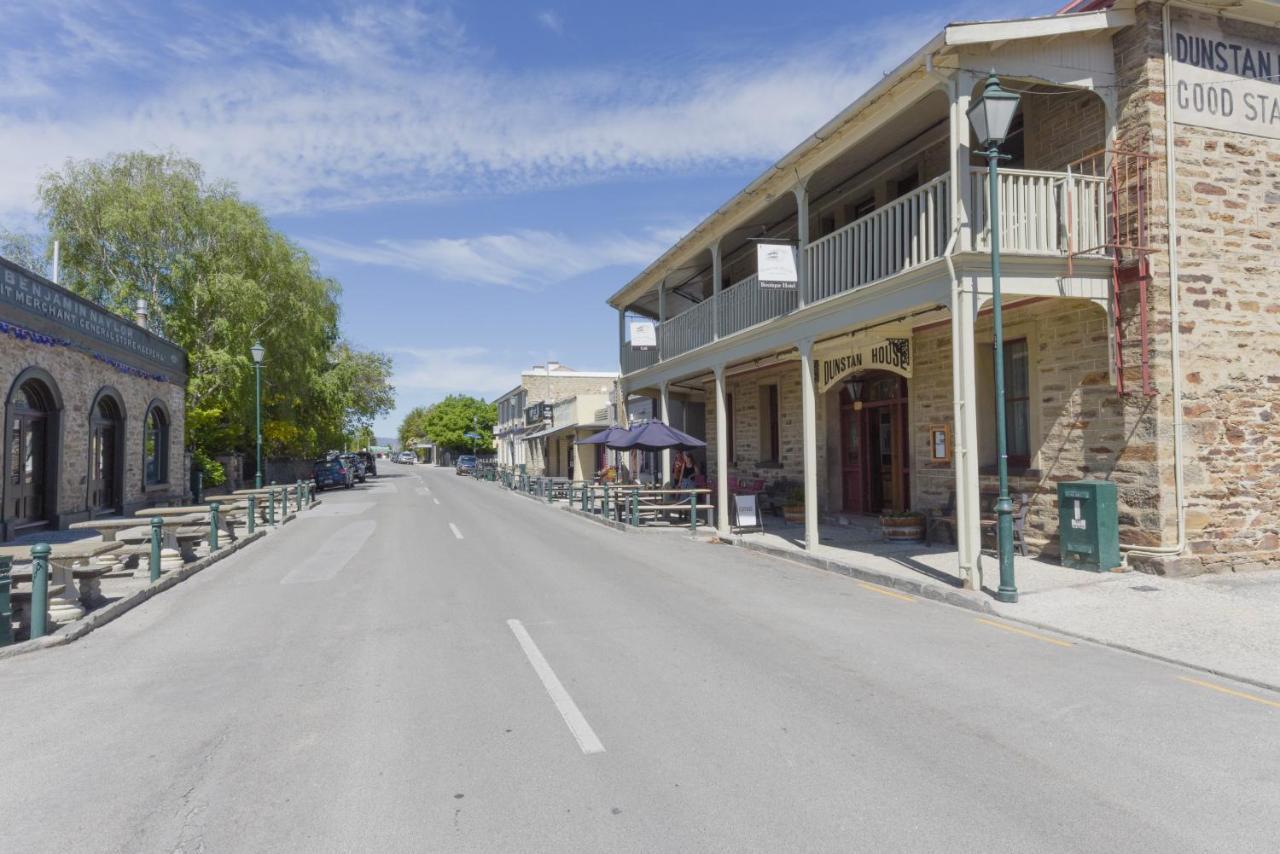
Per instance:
(106,452)
(31,457)
(155,446)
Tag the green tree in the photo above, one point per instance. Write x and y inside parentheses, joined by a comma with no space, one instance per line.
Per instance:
(24,249)
(448,421)
(414,425)
(217,278)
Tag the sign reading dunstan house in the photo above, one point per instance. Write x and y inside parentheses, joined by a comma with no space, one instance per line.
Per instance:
(1225,82)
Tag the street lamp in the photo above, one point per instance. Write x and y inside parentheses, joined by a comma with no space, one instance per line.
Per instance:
(258,351)
(991,115)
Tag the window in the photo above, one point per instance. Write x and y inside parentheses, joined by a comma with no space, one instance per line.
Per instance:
(155,447)
(769,424)
(1017,402)
(728,408)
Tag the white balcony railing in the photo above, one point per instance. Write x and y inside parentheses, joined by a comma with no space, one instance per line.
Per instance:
(686,330)
(746,303)
(895,238)
(1041,213)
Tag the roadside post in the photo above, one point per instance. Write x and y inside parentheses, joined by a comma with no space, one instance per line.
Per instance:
(157,524)
(299,496)
(253,514)
(693,511)
(635,507)
(213,527)
(271,507)
(39,588)
(604,507)
(284,503)
(551,492)
(6,603)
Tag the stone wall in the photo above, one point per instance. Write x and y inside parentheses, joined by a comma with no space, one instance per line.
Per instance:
(79,377)
(1077,418)
(750,459)
(1060,129)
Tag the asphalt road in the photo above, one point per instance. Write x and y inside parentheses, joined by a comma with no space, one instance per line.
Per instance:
(427,663)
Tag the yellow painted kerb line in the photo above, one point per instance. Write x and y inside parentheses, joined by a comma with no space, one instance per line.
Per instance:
(884,591)
(1019,631)
(1264,701)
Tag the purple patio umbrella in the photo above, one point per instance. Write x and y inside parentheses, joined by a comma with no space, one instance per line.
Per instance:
(605,437)
(654,436)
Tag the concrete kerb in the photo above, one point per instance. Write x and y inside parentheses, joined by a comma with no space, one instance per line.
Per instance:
(95,619)
(923,589)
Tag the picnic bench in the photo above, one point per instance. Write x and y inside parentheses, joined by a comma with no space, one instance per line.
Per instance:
(72,569)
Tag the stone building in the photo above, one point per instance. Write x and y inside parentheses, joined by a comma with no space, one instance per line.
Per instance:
(1140,232)
(93,409)
(540,419)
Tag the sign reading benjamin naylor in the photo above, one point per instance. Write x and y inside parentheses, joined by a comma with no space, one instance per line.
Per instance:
(81,318)
(1225,82)
(644,335)
(869,354)
(776,265)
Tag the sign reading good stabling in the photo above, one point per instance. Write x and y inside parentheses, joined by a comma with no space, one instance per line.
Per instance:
(644,335)
(867,354)
(1225,82)
(776,265)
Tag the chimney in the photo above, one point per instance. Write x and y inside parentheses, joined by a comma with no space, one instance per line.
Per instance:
(140,313)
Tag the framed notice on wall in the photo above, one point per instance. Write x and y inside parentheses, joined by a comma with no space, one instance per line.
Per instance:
(940,443)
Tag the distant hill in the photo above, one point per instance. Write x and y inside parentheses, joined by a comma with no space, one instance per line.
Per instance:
(388,440)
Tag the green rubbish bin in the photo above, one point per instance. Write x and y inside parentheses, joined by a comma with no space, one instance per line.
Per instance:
(1089,525)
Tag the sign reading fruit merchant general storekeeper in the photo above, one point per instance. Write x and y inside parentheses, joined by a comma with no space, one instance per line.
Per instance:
(1225,82)
(880,353)
(30,300)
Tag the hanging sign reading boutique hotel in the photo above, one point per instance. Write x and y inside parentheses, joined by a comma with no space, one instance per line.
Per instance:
(1225,82)
(834,363)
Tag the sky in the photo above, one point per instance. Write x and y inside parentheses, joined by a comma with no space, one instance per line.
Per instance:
(479,176)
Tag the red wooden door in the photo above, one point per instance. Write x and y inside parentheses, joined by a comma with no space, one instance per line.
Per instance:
(853,458)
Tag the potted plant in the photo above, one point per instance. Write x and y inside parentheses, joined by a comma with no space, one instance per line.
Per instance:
(793,507)
(902,526)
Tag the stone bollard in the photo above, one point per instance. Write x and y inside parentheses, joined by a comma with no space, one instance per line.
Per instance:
(157,526)
(635,507)
(213,527)
(253,514)
(271,507)
(39,588)
(6,602)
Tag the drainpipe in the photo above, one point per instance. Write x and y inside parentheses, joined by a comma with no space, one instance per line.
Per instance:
(1175,357)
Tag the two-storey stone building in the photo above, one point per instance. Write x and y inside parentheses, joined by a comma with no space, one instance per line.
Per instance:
(1140,225)
(540,420)
(93,408)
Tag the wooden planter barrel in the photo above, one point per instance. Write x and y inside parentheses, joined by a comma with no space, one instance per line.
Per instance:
(793,513)
(902,529)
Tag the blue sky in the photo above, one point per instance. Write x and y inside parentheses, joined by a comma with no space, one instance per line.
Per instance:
(479,176)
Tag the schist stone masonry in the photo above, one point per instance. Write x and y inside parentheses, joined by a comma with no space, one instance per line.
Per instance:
(93,408)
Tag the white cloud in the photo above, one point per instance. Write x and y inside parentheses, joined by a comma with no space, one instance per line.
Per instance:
(551,20)
(394,104)
(525,259)
(425,374)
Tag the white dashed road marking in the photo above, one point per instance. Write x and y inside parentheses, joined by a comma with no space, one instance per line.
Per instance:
(456,532)
(582,731)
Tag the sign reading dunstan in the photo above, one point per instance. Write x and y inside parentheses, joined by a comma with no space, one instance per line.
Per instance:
(80,319)
(1225,82)
(884,354)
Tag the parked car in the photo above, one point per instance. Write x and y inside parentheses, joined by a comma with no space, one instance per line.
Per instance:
(466,465)
(370,463)
(332,471)
(407,457)
(357,467)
